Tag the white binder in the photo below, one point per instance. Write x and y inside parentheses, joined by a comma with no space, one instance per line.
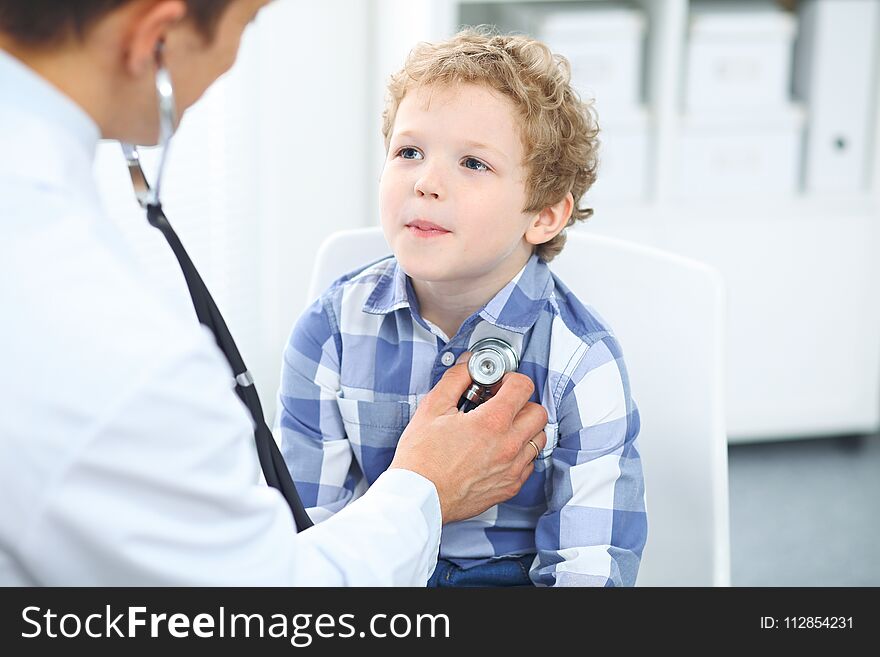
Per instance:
(835,58)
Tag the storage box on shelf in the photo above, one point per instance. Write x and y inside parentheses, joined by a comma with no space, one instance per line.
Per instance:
(604,43)
(739,56)
(740,133)
(624,138)
(726,155)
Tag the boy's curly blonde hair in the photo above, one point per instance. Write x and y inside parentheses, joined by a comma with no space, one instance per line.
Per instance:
(559,131)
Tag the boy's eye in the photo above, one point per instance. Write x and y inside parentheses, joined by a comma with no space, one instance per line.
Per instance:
(409,153)
(474,164)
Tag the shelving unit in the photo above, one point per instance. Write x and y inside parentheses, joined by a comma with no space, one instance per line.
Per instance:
(801,270)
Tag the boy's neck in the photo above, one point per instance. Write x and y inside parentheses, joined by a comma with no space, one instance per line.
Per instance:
(447,304)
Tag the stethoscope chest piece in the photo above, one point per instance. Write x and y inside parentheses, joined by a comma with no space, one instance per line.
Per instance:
(490,360)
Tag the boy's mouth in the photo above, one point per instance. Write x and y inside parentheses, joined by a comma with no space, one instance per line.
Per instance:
(422,228)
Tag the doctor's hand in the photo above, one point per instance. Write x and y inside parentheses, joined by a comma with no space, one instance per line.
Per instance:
(475,459)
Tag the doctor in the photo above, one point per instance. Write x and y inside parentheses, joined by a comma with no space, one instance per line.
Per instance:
(125,456)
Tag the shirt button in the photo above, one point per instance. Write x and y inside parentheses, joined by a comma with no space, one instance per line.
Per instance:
(448,358)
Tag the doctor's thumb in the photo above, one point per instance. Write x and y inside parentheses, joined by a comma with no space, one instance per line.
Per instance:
(449,389)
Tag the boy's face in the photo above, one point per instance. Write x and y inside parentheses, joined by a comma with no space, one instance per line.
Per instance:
(453,186)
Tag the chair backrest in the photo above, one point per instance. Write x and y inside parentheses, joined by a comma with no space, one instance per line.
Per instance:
(668,313)
(343,252)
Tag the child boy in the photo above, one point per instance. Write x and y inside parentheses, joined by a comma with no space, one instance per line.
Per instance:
(489,152)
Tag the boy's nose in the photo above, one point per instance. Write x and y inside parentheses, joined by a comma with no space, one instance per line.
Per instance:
(429,184)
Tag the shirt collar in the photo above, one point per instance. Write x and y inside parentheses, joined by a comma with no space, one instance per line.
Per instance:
(515,307)
(47,135)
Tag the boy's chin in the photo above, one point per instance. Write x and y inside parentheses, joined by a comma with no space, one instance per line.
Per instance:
(422,269)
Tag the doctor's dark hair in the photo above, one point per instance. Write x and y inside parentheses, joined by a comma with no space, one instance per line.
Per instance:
(48,22)
(559,131)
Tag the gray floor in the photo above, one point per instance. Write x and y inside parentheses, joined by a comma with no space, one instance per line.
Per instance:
(805,513)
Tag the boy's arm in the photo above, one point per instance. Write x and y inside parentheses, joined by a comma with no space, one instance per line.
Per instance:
(312,435)
(595,526)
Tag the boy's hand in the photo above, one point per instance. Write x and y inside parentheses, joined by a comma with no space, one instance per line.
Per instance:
(476,459)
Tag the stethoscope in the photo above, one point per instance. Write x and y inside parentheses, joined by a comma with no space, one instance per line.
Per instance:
(271,461)
(491,358)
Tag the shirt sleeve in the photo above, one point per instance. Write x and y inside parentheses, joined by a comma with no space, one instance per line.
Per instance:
(595,526)
(312,435)
(163,490)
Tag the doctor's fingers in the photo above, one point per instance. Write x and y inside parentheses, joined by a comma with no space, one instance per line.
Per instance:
(510,400)
(531,420)
(531,449)
(443,399)
(528,454)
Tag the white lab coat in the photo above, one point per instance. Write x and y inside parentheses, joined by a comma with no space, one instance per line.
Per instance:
(125,456)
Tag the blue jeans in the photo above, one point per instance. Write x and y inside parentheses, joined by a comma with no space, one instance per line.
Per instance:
(509,571)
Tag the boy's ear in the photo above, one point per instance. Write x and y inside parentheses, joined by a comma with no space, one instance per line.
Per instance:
(550,221)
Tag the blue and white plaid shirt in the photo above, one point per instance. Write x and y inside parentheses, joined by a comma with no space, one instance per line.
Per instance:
(360,359)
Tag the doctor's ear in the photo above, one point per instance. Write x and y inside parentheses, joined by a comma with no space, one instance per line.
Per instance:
(550,221)
(146,30)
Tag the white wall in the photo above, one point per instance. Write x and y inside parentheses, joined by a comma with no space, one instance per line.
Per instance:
(314,155)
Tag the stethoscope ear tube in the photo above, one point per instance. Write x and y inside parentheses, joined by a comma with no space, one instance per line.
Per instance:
(168,122)
(272,463)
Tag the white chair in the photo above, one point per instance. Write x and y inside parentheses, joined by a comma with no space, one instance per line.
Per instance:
(668,313)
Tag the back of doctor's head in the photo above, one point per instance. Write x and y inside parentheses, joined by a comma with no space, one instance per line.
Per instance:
(559,131)
(44,23)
